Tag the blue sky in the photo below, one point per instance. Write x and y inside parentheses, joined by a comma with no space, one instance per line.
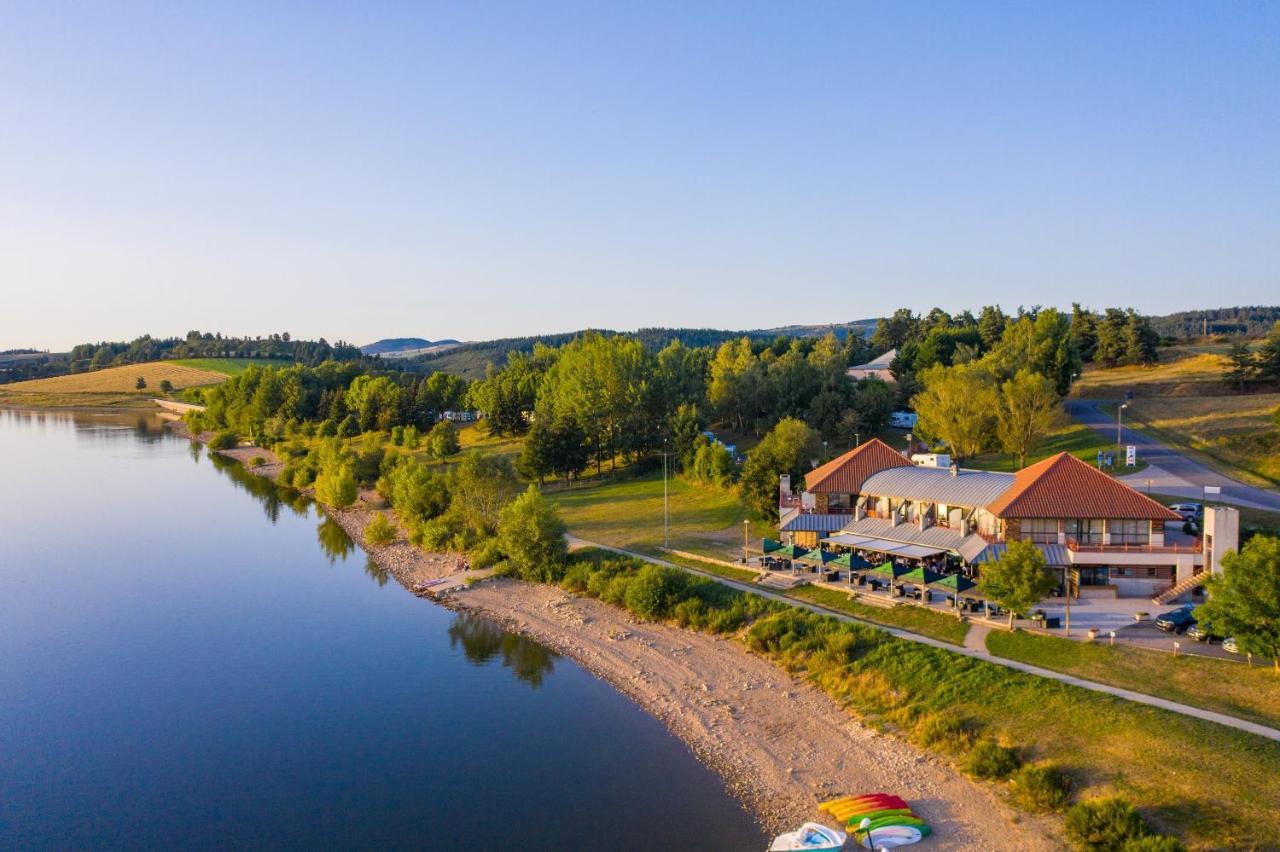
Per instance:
(478,169)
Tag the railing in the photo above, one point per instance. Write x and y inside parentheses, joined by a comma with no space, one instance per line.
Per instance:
(1076,547)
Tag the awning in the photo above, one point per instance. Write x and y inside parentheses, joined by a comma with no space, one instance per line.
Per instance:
(922,576)
(954,583)
(880,545)
(819,557)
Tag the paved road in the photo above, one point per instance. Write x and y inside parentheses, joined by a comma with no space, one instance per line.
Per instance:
(1170,462)
(977,652)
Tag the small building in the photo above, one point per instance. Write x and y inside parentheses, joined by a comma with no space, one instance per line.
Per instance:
(460,416)
(878,368)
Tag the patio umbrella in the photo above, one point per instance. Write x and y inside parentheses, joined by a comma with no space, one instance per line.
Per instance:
(790,551)
(769,545)
(851,561)
(892,570)
(818,557)
(954,583)
(920,576)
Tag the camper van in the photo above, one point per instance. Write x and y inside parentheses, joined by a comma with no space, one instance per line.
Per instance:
(903,419)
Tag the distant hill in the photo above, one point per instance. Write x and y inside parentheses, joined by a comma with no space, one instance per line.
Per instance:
(405,347)
(469,360)
(1250,321)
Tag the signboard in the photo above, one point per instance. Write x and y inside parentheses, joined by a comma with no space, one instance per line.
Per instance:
(1130,456)
(1212,489)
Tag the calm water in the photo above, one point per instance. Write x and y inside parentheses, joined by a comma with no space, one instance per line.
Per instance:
(189,659)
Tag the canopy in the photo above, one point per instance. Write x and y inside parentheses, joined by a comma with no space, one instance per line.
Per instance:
(891,570)
(922,576)
(790,551)
(769,545)
(881,545)
(954,583)
(851,561)
(820,557)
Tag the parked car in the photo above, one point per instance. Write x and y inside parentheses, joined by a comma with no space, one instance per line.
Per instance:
(1229,645)
(903,419)
(1177,620)
(1188,511)
(1200,633)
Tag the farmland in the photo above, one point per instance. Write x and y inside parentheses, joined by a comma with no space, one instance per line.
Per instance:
(227,366)
(112,387)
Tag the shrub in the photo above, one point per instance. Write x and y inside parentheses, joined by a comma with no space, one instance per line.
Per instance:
(336,486)
(654,591)
(379,531)
(1153,843)
(942,732)
(991,761)
(1103,824)
(577,577)
(1041,789)
(223,440)
(327,429)
(487,553)
(257,461)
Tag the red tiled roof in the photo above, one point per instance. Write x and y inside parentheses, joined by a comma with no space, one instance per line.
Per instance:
(1062,486)
(845,474)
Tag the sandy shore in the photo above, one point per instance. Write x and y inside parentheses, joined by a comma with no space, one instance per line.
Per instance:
(780,744)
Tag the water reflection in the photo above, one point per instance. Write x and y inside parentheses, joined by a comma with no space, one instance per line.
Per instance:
(272,496)
(482,641)
(379,574)
(334,541)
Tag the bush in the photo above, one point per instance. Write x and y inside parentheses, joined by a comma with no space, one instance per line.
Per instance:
(1103,824)
(225,439)
(257,461)
(327,429)
(379,531)
(487,553)
(942,732)
(1041,789)
(577,577)
(991,761)
(1153,843)
(654,591)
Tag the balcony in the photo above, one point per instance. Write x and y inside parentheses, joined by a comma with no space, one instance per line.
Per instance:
(1076,547)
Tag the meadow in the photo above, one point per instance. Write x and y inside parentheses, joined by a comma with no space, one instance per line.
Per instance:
(228,366)
(1238,435)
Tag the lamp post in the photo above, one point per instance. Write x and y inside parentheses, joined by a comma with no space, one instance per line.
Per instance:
(666,512)
(746,533)
(1119,421)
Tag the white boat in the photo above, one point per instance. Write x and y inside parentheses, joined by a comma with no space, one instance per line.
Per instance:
(891,837)
(811,837)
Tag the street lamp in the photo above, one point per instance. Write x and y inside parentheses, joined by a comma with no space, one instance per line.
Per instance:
(746,533)
(1119,420)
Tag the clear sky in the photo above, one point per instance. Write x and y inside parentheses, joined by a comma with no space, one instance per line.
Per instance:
(476,169)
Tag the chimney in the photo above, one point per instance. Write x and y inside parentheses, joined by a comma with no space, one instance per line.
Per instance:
(955,469)
(964,527)
(784,488)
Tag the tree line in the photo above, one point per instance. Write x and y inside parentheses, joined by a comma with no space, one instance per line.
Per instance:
(196,344)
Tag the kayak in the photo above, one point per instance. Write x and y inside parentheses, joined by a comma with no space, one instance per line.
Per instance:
(810,837)
(891,837)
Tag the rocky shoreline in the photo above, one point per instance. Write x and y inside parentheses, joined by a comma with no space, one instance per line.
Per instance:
(781,745)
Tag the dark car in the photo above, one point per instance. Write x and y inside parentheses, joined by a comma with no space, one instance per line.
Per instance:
(1176,621)
(1200,633)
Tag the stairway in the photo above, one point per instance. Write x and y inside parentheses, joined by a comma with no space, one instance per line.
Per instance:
(1180,588)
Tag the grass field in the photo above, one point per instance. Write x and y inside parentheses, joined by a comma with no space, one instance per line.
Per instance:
(1224,686)
(917,619)
(120,380)
(628,513)
(1193,370)
(228,366)
(1235,434)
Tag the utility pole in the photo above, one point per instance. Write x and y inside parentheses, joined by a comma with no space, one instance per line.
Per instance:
(1119,420)
(666,512)
(746,535)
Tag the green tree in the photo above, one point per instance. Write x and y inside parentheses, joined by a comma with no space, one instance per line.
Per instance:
(790,447)
(1028,408)
(1244,600)
(1140,339)
(166,386)
(1242,366)
(480,485)
(336,485)
(442,440)
(1110,349)
(958,407)
(1269,355)
(892,332)
(1019,580)
(379,531)
(1084,332)
(141,383)
(531,534)
(686,433)
(991,323)
(712,464)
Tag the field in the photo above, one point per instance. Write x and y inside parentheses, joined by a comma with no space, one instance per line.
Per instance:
(627,513)
(1068,436)
(227,366)
(1224,686)
(1194,370)
(1236,434)
(916,619)
(114,386)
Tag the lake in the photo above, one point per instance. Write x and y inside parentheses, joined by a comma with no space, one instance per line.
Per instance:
(192,658)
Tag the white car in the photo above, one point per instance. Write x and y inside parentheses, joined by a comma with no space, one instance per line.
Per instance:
(1188,511)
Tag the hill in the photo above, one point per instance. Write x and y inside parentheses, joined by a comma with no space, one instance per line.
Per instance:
(404,347)
(469,360)
(113,386)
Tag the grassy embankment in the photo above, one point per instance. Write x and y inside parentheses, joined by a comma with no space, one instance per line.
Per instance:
(229,366)
(110,387)
(1213,785)
(917,619)
(1224,686)
(1185,403)
(1068,436)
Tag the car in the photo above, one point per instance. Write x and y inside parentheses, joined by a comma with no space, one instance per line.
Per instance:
(903,419)
(1200,633)
(1229,645)
(1188,511)
(1176,620)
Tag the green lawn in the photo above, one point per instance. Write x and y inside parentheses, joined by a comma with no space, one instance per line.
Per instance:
(627,513)
(917,619)
(1224,686)
(229,366)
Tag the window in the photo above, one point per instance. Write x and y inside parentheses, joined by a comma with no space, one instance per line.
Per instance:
(1085,531)
(1041,530)
(1130,532)
(837,503)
